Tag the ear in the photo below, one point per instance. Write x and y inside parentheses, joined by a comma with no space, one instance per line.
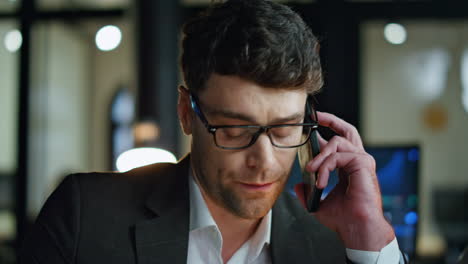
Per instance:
(184,110)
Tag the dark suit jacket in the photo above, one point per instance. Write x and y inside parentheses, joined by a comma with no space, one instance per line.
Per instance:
(142,216)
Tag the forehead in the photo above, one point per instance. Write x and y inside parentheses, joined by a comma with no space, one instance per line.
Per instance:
(242,96)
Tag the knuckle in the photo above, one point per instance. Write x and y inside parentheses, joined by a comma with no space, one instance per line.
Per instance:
(352,128)
(336,140)
(349,134)
(332,158)
(371,161)
(339,141)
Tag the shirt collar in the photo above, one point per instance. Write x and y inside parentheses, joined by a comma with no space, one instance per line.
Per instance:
(200,217)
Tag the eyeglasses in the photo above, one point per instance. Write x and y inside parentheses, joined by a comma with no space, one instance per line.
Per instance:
(244,136)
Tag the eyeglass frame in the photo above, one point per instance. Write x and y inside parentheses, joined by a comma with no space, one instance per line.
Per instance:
(194,103)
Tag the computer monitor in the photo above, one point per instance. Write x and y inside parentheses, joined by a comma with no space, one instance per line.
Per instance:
(397,171)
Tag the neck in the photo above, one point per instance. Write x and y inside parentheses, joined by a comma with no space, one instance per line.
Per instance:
(235,230)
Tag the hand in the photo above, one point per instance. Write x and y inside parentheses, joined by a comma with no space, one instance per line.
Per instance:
(353,208)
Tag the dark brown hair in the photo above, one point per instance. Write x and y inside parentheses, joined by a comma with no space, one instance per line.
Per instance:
(257,40)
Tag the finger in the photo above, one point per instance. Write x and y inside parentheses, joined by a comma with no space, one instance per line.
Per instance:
(341,127)
(336,144)
(341,160)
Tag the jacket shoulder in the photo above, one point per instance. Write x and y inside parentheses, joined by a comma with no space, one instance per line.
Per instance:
(121,193)
(91,210)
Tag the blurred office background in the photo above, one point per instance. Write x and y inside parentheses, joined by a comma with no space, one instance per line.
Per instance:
(83,81)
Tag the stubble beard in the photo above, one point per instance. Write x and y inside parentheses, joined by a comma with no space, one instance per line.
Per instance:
(225,195)
(253,207)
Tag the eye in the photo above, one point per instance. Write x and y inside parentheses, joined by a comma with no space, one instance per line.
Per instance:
(235,131)
(284,131)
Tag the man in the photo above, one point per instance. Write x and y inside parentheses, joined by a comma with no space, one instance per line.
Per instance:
(248,68)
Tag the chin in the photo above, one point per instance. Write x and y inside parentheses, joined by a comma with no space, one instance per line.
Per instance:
(255,213)
(253,208)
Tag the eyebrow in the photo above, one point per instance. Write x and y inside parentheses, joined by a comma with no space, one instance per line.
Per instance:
(234,115)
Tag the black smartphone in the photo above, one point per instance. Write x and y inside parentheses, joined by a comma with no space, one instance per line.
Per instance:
(312,194)
(315,194)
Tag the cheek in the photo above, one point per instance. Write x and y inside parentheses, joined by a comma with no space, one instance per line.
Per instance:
(229,165)
(290,157)
(286,161)
(213,160)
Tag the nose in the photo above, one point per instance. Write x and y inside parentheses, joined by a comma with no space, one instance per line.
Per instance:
(261,154)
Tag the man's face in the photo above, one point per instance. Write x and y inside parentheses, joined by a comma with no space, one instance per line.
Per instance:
(246,182)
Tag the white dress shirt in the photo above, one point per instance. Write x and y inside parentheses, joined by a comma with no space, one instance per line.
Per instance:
(205,240)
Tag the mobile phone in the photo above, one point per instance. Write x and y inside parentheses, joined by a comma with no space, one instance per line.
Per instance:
(312,194)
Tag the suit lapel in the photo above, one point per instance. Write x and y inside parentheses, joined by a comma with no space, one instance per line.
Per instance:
(289,242)
(164,239)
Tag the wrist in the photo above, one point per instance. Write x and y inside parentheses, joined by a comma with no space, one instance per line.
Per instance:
(367,235)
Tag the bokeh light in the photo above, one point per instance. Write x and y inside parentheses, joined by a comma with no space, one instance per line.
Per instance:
(108,38)
(395,33)
(13,40)
(139,157)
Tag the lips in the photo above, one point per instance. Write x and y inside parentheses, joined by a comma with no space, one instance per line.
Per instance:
(257,186)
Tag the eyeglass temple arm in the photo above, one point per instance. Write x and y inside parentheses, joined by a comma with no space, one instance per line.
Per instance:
(195,106)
